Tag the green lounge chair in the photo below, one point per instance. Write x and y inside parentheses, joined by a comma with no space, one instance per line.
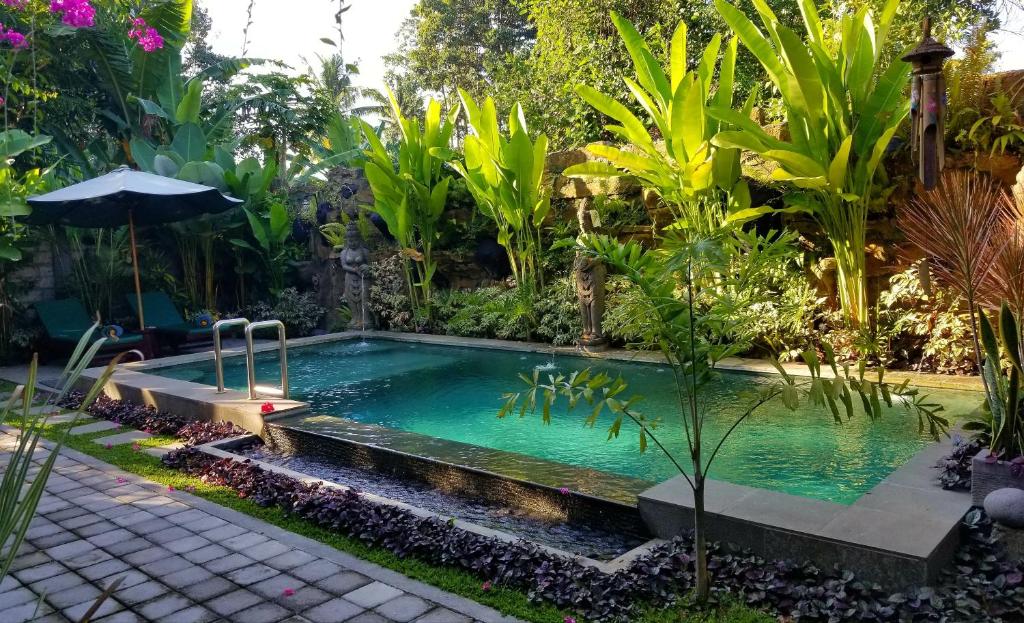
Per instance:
(66,321)
(164,317)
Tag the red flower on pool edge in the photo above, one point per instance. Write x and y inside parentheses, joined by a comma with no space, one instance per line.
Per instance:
(288,592)
(564,491)
(170,487)
(486,586)
(267,407)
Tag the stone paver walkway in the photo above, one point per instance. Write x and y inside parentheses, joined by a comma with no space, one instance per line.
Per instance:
(186,560)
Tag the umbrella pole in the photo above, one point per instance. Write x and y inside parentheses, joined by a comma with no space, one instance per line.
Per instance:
(135,266)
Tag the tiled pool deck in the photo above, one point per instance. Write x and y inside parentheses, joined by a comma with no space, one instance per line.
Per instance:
(184,559)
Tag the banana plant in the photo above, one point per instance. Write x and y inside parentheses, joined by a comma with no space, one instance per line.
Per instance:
(340,145)
(1002,371)
(842,110)
(506,178)
(271,231)
(410,194)
(698,181)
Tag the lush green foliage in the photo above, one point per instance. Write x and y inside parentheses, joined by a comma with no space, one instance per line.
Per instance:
(410,195)
(506,178)
(1002,372)
(843,107)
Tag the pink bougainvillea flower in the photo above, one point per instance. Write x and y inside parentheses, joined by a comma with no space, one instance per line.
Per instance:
(267,407)
(170,487)
(16,4)
(74,13)
(564,491)
(486,586)
(136,447)
(121,480)
(190,489)
(109,447)
(146,36)
(288,592)
(16,39)
(569,620)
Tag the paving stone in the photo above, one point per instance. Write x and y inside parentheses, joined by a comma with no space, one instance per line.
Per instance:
(443,615)
(95,556)
(262,613)
(121,438)
(266,550)
(373,594)
(195,614)
(160,451)
(56,583)
(9,583)
(274,587)
(72,596)
(31,611)
(16,597)
(251,574)
(53,540)
(208,589)
(186,577)
(235,601)
(289,560)
(222,533)
(156,524)
(368,617)
(109,606)
(32,560)
(316,570)
(206,523)
(40,572)
(164,566)
(128,578)
(103,569)
(333,611)
(146,556)
(70,549)
(130,546)
(65,418)
(303,598)
(168,509)
(167,535)
(118,535)
(141,592)
(133,518)
(245,541)
(206,554)
(124,616)
(187,544)
(95,427)
(343,582)
(73,523)
(182,518)
(404,608)
(228,563)
(164,606)
(36,532)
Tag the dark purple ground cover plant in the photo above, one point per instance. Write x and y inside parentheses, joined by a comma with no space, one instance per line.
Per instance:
(981,586)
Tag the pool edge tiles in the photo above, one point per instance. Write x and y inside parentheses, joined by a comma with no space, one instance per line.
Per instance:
(509,466)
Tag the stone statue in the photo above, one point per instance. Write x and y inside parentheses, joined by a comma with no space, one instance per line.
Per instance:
(355,263)
(590,275)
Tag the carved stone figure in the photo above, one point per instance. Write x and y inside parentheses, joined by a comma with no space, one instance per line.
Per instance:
(590,277)
(355,263)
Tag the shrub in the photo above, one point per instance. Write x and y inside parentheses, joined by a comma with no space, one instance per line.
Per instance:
(389,295)
(558,313)
(983,586)
(491,312)
(299,312)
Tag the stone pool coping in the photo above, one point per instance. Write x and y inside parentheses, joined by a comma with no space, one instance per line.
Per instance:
(902,532)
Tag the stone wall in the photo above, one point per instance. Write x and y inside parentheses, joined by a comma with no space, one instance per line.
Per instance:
(34,277)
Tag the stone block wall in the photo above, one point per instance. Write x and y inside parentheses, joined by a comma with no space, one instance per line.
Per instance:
(34,278)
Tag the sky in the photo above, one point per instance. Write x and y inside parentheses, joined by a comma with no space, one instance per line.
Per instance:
(289,30)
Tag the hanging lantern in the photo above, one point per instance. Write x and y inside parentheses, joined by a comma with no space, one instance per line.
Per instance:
(928,105)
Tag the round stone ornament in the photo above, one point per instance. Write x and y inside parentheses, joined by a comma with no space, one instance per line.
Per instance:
(1006,507)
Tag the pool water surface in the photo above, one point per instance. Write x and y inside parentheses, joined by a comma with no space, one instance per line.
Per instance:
(454,393)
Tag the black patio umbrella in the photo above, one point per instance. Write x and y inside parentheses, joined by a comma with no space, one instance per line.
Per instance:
(128,197)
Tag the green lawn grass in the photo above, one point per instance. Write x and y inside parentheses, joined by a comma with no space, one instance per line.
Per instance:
(508,601)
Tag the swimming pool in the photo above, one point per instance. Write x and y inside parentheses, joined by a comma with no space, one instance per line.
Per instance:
(454,393)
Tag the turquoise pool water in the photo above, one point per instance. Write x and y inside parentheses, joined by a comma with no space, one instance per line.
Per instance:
(454,393)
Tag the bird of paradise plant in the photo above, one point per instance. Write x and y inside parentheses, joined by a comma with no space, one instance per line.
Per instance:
(411,197)
(699,181)
(842,111)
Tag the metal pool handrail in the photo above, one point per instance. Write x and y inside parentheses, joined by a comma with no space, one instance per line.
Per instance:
(218,356)
(250,358)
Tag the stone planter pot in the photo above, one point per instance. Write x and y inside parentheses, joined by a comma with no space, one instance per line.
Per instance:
(987,477)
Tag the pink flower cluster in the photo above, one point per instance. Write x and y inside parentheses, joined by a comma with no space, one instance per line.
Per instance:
(16,39)
(15,4)
(149,38)
(76,13)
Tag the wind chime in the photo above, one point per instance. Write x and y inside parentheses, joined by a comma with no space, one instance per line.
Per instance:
(928,106)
